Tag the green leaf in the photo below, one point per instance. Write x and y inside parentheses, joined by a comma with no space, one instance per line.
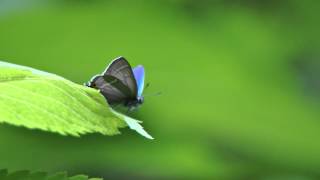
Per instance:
(27,175)
(78,177)
(18,175)
(3,173)
(37,176)
(45,101)
(58,176)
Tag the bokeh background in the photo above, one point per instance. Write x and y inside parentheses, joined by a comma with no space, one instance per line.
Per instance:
(240,83)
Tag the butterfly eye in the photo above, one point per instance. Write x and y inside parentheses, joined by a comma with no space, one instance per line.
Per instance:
(92,85)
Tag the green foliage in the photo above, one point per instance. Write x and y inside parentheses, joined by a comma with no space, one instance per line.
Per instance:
(40,100)
(27,175)
(232,104)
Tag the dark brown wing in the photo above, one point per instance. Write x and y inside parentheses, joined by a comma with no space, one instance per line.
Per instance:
(111,88)
(121,69)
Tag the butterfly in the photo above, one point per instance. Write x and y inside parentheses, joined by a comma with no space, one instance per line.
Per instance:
(121,84)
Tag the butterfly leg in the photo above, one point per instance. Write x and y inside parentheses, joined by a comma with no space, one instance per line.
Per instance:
(116,107)
(130,109)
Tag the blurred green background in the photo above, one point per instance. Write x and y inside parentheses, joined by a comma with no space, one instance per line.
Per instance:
(240,83)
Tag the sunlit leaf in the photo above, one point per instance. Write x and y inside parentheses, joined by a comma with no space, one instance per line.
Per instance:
(40,100)
(27,175)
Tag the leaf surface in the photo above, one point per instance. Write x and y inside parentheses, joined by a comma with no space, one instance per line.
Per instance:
(45,101)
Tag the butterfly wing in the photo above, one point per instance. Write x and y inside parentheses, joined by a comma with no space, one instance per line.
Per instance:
(111,88)
(139,75)
(121,70)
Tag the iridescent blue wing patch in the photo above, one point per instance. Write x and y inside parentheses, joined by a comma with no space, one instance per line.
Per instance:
(139,74)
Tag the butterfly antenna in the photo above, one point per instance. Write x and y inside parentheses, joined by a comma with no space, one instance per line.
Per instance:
(146,86)
(154,94)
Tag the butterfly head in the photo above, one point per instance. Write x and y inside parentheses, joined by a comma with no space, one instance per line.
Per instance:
(140,100)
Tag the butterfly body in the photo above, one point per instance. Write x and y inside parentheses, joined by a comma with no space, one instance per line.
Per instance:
(134,103)
(120,84)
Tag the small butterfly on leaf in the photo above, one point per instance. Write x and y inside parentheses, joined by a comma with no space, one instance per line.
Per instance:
(120,84)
